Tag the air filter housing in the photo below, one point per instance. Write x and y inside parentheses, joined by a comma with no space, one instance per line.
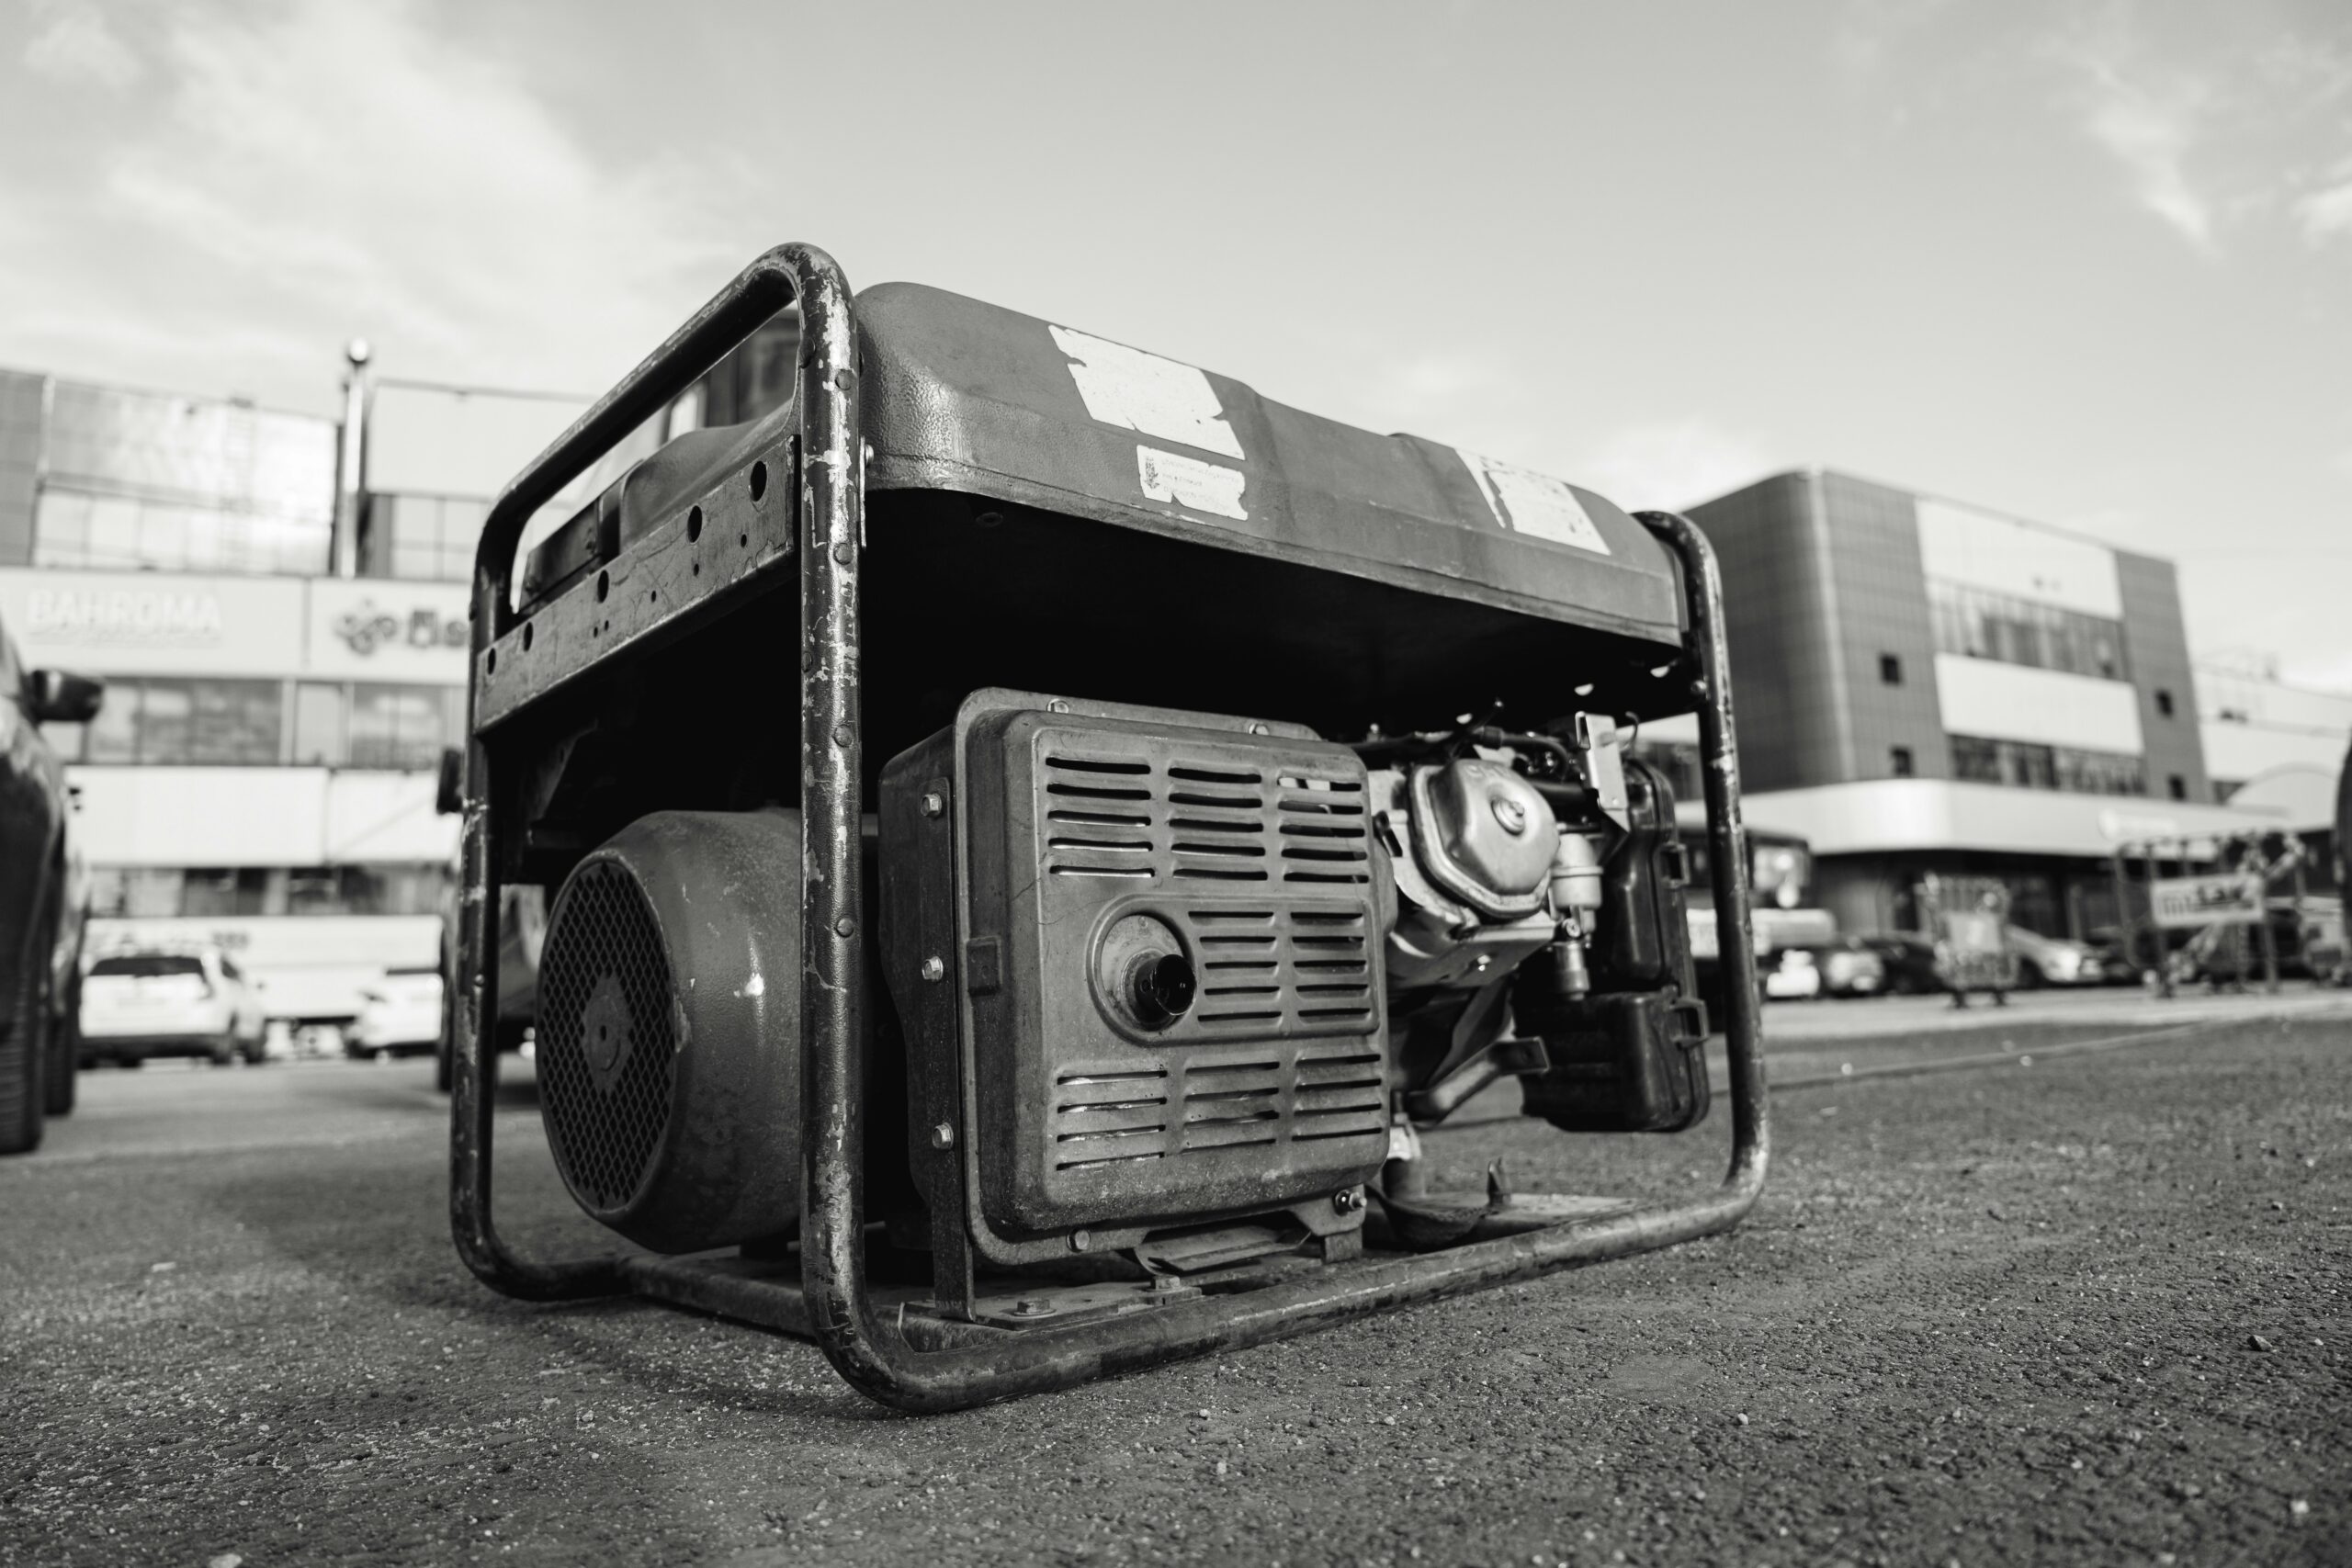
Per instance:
(668,1050)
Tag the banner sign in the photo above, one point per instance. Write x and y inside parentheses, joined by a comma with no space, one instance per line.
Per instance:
(2184,903)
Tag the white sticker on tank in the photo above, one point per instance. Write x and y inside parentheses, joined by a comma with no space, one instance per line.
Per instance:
(1189,482)
(1529,503)
(1146,394)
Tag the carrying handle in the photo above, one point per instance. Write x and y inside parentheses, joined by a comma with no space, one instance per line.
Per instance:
(775,280)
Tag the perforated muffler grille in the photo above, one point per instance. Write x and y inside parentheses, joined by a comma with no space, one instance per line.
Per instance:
(607,1038)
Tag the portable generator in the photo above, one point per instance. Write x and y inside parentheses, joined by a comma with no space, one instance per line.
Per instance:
(1032,949)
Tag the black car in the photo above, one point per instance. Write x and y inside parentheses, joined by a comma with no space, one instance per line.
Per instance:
(1910,962)
(37,892)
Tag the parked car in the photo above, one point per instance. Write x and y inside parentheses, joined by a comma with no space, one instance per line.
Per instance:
(2054,961)
(41,897)
(1908,960)
(1793,975)
(140,1003)
(400,1015)
(2213,954)
(1849,968)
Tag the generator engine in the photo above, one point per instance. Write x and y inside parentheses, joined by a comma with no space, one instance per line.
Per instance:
(1171,985)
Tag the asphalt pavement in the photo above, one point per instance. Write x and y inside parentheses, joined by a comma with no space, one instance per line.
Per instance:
(2080,1306)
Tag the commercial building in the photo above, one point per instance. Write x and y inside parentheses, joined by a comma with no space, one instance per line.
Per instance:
(2268,743)
(278,603)
(261,773)
(1925,686)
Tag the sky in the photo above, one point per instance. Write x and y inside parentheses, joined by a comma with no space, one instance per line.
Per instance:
(2085,261)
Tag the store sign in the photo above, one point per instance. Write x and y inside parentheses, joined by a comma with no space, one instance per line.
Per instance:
(367,627)
(154,622)
(2185,903)
(385,630)
(122,614)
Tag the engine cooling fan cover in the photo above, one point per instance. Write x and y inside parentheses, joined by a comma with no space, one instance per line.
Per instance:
(668,1050)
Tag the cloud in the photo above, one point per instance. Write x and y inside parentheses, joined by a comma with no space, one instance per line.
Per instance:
(1867,31)
(297,172)
(2150,119)
(74,45)
(2327,213)
(1672,465)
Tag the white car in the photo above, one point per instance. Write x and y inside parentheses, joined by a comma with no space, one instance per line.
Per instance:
(191,1001)
(1794,976)
(399,1015)
(2054,961)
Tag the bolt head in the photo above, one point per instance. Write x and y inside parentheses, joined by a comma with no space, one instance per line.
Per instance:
(1348,1200)
(943,1135)
(935,968)
(844,927)
(1511,813)
(1079,1240)
(933,804)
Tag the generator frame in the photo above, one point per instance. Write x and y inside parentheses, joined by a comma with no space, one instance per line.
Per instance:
(803,509)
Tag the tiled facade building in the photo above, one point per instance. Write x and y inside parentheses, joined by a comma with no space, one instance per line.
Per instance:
(1927,687)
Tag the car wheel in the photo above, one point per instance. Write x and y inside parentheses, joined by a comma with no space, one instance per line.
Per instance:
(24,1052)
(64,1063)
(223,1052)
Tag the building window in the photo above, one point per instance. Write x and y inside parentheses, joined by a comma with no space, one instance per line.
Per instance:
(403,726)
(2021,765)
(1890,668)
(1901,759)
(228,890)
(2164,703)
(2177,786)
(318,726)
(138,479)
(224,892)
(1980,624)
(221,723)
(191,722)
(422,537)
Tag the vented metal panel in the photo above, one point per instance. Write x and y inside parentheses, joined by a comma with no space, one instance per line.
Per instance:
(606,1043)
(1123,816)
(1113,1111)
(1245,855)
(1209,833)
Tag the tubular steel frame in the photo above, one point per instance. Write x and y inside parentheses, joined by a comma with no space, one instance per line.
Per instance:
(934,1367)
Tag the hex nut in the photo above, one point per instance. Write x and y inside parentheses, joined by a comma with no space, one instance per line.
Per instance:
(943,1135)
(933,804)
(935,968)
(1079,1240)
